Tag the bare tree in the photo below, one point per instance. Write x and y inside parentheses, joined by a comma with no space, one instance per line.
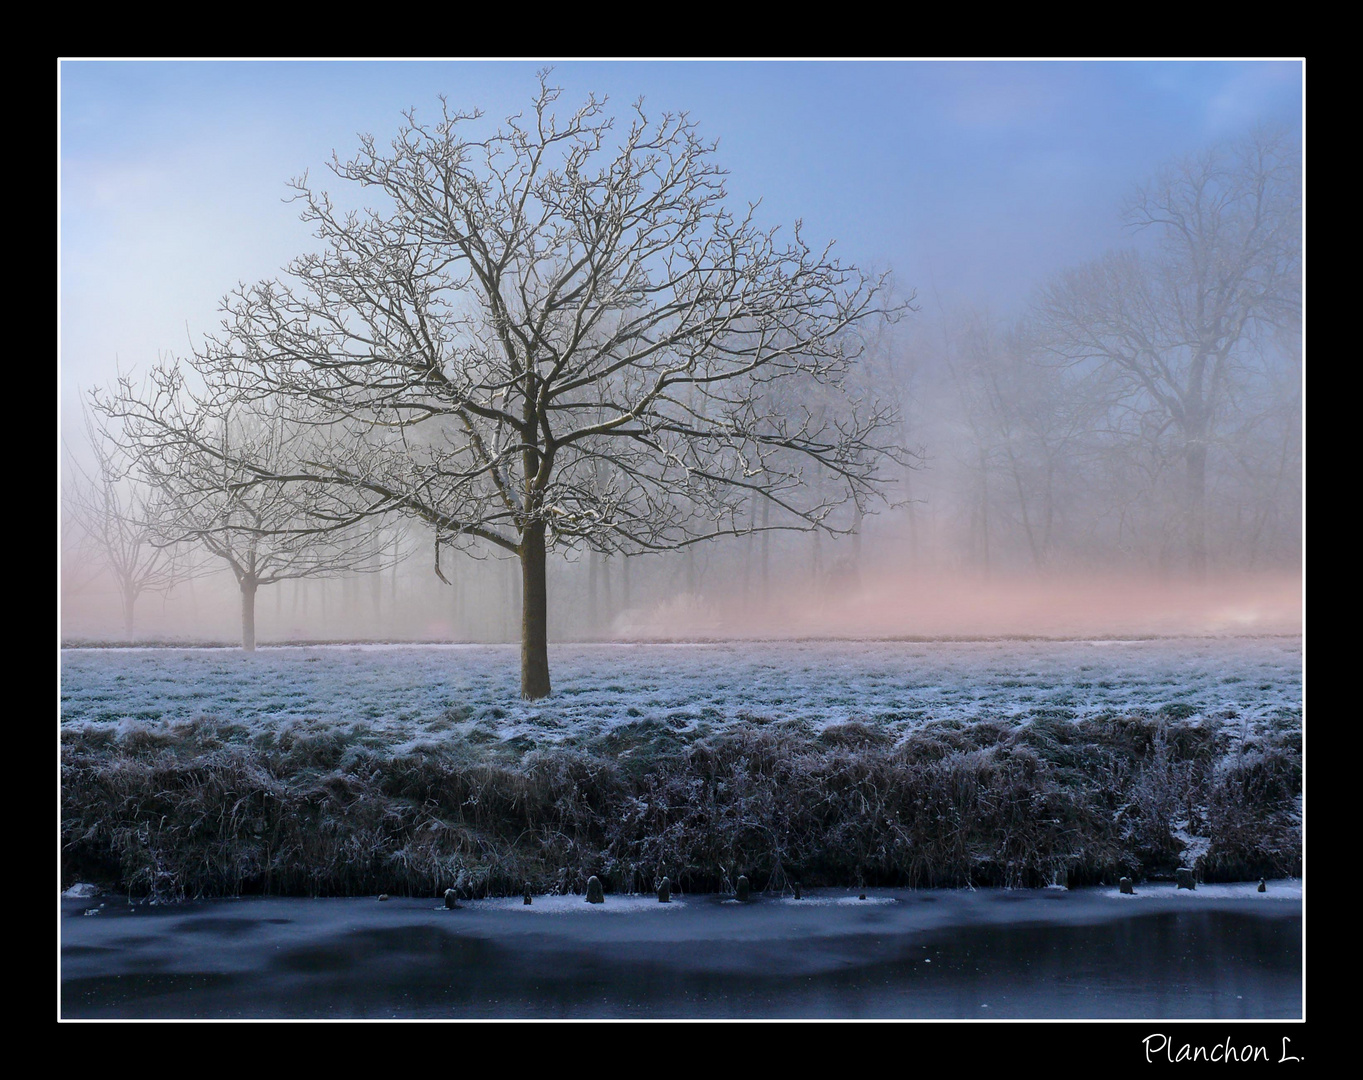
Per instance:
(116,517)
(216,460)
(1266,480)
(1178,328)
(557,335)
(1027,423)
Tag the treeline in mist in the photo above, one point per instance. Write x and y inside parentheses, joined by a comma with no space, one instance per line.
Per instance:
(1141,415)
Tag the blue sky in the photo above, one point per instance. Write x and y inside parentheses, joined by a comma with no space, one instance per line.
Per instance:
(973,181)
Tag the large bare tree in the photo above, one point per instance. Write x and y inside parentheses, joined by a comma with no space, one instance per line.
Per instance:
(557,334)
(1178,327)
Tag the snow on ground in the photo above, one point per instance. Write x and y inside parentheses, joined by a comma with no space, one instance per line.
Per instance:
(406,694)
(1281,890)
(571,904)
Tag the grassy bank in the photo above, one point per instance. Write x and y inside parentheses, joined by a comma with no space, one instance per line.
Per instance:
(207,808)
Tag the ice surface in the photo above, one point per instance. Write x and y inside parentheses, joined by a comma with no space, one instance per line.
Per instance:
(931,954)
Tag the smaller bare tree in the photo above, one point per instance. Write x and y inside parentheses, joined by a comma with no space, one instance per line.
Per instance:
(219,463)
(116,517)
(1180,330)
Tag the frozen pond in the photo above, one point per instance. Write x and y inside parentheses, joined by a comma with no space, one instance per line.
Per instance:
(410,692)
(1222,952)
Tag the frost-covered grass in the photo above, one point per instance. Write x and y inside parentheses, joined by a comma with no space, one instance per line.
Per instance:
(399,696)
(409,769)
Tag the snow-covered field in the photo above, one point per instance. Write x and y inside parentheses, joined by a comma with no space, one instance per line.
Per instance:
(401,695)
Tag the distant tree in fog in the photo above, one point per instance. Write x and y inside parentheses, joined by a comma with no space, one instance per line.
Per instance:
(1182,332)
(1023,426)
(1265,451)
(113,516)
(214,461)
(557,335)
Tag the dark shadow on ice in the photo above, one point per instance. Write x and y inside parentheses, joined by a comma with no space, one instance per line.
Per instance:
(1221,953)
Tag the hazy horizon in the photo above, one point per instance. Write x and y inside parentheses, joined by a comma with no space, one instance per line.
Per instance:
(1031,506)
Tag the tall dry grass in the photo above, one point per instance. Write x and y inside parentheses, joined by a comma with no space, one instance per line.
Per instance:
(199,809)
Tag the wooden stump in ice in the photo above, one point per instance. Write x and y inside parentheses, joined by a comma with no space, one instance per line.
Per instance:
(1184,876)
(665,891)
(527,901)
(1263,885)
(798,893)
(1125,886)
(595,894)
(741,889)
(451,898)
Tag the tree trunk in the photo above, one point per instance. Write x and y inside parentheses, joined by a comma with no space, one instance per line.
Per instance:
(248,615)
(592,559)
(456,605)
(910,507)
(816,566)
(984,512)
(534,615)
(1022,507)
(394,611)
(129,599)
(1195,516)
(766,548)
(747,556)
